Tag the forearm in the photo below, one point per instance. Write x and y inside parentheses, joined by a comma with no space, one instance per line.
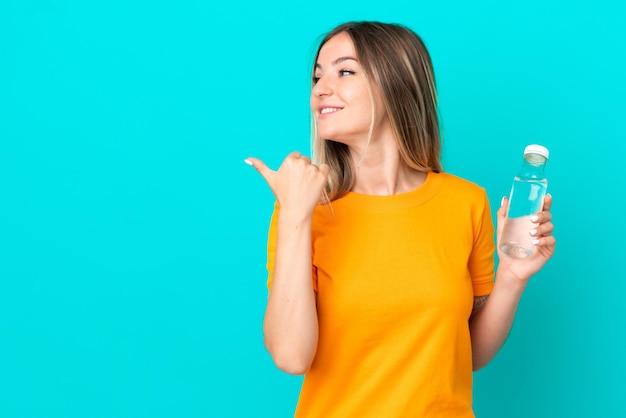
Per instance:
(290,324)
(491,324)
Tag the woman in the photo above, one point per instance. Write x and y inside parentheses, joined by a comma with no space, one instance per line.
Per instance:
(381,267)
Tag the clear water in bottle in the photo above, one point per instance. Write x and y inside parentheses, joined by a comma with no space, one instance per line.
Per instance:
(525,200)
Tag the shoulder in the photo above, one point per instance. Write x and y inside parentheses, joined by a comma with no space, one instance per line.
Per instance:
(462,188)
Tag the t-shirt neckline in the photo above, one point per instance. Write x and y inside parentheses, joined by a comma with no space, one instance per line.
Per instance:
(417,196)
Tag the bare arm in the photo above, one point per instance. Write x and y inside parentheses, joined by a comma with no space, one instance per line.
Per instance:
(491,323)
(491,320)
(290,325)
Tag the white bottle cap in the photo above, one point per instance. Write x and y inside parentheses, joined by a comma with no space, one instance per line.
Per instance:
(537,149)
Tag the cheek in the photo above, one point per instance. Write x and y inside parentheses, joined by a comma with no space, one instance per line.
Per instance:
(362,99)
(366,107)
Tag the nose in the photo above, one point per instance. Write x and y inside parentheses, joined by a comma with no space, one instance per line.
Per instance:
(322,87)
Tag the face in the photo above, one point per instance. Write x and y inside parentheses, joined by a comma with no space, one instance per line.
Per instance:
(340,99)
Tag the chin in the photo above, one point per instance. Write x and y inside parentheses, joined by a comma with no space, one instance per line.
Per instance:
(326,133)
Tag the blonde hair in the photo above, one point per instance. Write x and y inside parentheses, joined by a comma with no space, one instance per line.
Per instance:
(396,61)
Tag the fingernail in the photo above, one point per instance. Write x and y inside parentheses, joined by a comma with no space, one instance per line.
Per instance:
(534,218)
(247,161)
(502,201)
(533,232)
(535,241)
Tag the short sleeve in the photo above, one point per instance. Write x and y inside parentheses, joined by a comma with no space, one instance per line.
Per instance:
(481,263)
(271,245)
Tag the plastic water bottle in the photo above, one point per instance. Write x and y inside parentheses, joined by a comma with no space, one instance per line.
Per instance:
(526,199)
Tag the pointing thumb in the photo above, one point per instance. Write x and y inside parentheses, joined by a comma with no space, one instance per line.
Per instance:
(260,166)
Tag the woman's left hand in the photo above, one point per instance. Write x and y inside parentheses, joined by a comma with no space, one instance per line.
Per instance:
(545,243)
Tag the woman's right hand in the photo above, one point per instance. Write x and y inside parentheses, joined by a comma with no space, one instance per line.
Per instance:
(297,184)
(290,326)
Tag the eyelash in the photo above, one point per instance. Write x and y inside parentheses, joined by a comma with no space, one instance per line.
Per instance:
(341,74)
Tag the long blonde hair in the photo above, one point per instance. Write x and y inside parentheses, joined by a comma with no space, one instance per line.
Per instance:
(396,61)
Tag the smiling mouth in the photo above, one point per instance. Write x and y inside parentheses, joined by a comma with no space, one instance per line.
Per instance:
(329,110)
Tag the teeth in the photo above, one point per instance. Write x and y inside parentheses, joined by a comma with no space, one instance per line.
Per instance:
(329,110)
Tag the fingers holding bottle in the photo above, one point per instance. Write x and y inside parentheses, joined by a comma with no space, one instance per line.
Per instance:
(543,238)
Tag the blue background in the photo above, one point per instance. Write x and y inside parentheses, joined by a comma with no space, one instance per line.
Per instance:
(132,235)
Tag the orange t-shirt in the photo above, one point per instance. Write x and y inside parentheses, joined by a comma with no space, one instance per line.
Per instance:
(395,278)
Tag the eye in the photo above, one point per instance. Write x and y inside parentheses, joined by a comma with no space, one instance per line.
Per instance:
(315,79)
(344,73)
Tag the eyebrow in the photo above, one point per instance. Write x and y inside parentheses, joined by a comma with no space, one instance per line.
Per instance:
(337,61)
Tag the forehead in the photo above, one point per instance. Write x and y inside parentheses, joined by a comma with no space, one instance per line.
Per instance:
(338,46)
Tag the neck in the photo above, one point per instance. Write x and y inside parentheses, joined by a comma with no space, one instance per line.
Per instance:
(382,173)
